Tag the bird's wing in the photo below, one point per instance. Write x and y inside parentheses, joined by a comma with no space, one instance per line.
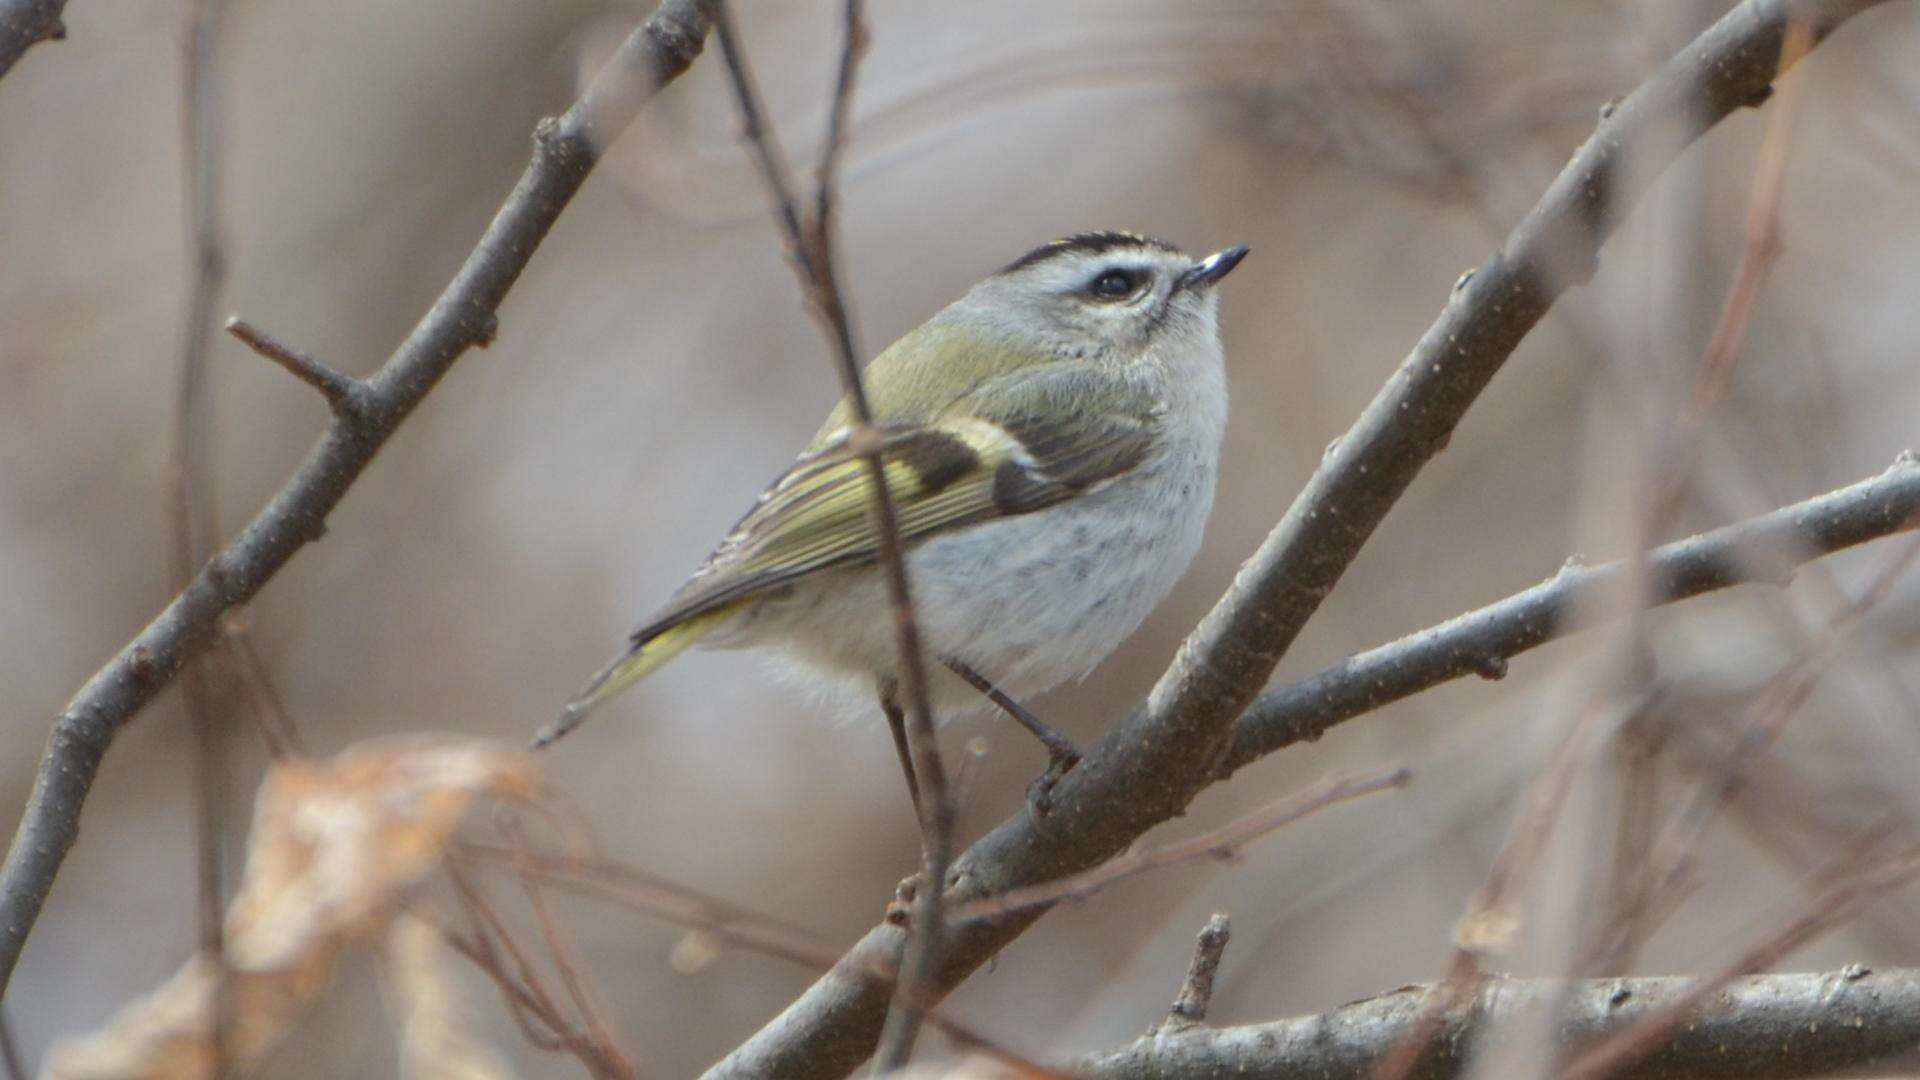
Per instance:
(1019,444)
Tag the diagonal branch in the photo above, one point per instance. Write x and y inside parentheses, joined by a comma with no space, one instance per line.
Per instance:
(1222,843)
(565,151)
(1762,549)
(1153,763)
(1758,1027)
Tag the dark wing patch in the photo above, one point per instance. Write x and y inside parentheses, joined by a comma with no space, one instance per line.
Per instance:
(1086,243)
(1077,426)
(1080,450)
(816,515)
(937,459)
(1067,454)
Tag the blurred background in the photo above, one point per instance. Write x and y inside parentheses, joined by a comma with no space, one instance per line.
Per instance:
(655,368)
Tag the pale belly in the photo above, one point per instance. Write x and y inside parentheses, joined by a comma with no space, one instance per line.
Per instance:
(1029,602)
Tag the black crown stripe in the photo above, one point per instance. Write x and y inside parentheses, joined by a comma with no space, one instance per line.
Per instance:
(1086,243)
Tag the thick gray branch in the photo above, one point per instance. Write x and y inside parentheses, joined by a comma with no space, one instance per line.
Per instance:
(1848,1022)
(1154,762)
(25,23)
(1766,548)
(463,316)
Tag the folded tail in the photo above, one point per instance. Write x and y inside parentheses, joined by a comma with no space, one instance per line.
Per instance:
(645,656)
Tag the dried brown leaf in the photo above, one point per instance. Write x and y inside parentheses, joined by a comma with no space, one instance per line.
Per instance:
(335,847)
(335,843)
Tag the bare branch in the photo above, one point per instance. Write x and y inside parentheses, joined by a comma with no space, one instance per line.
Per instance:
(1196,993)
(1761,1027)
(1764,549)
(26,23)
(340,389)
(717,923)
(565,151)
(1221,843)
(1615,1054)
(1152,764)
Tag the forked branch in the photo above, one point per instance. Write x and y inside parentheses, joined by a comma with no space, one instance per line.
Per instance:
(565,151)
(1153,763)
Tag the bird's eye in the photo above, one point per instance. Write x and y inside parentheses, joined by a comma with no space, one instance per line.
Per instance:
(1114,284)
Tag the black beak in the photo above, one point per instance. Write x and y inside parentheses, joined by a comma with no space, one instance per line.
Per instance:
(1213,267)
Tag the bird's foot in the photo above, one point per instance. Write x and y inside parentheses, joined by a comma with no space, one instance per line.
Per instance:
(1061,758)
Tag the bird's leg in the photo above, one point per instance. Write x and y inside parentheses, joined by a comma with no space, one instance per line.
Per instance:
(897,721)
(1061,753)
(902,902)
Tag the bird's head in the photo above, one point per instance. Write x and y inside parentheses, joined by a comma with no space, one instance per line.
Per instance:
(1104,294)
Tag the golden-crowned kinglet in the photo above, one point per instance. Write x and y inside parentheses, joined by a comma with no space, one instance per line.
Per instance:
(1051,441)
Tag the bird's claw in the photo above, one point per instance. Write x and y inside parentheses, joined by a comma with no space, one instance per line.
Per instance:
(1059,763)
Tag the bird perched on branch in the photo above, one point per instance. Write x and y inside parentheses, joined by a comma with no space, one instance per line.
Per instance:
(1050,442)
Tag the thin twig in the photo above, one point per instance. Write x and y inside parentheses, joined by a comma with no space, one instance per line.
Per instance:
(336,386)
(663,899)
(1638,752)
(1757,257)
(1224,842)
(271,718)
(1196,993)
(1654,893)
(809,242)
(490,928)
(720,923)
(565,151)
(1669,858)
(525,992)
(1762,248)
(1152,764)
(522,1004)
(572,974)
(1494,916)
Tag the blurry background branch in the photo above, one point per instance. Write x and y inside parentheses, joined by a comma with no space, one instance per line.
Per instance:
(810,248)
(1852,1021)
(1152,764)
(25,23)
(192,521)
(565,151)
